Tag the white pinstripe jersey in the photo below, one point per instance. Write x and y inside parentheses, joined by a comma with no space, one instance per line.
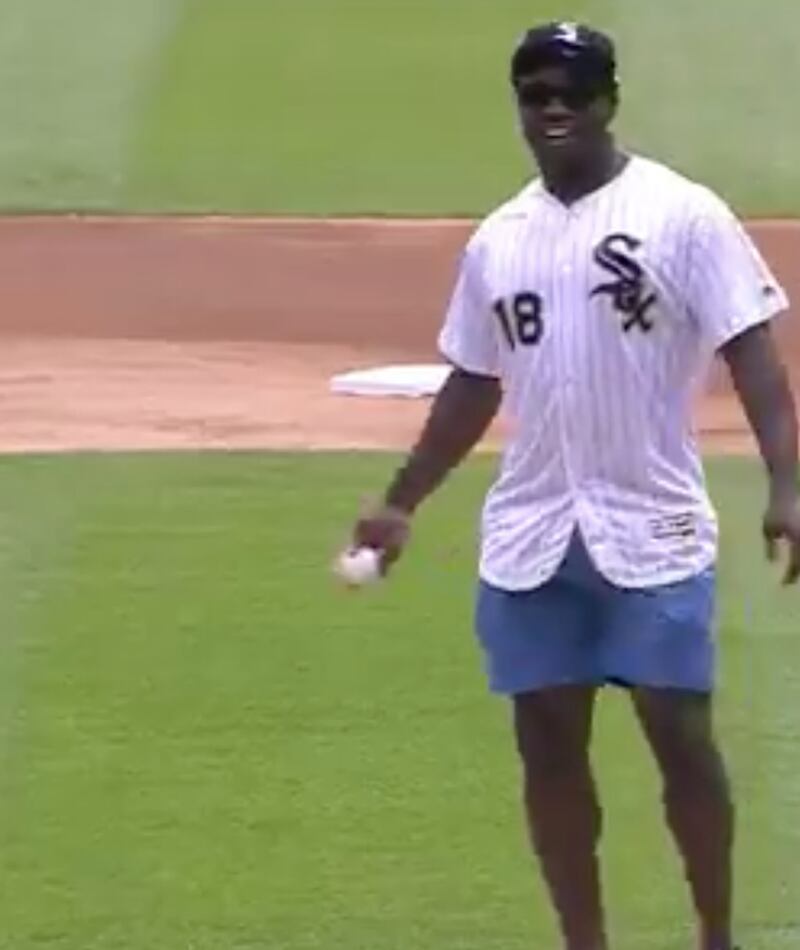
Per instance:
(601,319)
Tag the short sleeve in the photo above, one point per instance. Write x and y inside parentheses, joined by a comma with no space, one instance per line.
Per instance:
(730,287)
(468,337)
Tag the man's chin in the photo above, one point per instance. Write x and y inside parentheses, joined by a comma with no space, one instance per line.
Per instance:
(557,155)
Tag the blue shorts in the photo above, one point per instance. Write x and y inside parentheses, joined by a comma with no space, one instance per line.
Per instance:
(578,628)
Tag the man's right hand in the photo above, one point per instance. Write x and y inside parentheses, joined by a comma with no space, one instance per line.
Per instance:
(386,529)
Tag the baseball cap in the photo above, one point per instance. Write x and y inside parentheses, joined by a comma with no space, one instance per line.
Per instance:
(588,50)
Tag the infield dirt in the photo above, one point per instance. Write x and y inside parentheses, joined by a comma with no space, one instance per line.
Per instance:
(169,333)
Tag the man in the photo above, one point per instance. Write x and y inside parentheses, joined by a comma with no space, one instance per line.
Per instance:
(593,302)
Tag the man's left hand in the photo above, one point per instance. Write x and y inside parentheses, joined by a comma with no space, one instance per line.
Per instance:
(782,524)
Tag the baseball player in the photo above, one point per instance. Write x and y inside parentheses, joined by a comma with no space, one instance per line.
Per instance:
(591,304)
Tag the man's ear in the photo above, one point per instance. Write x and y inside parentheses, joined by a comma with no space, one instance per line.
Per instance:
(613,96)
(609,105)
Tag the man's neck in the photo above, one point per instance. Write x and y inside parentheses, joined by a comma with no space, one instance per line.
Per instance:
(571,184)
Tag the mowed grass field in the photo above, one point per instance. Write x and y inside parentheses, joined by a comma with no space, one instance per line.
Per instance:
(206,745)
(393,106)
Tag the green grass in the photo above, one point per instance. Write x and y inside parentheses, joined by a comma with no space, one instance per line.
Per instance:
(72,76)
(315,107)
(345,106)
(205,745)
(402,105)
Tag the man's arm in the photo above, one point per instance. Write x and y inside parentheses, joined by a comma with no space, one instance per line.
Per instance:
(460,415)
(763,387)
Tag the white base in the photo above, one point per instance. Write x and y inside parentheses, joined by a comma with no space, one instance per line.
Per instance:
(411,381)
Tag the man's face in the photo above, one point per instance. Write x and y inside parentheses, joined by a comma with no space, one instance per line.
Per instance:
(562,115)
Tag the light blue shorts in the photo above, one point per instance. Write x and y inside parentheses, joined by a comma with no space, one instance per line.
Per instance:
(578,628)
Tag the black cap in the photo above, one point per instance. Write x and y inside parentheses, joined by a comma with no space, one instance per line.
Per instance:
(589,51)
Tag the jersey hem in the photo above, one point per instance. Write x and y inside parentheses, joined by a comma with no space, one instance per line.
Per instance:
(623,581)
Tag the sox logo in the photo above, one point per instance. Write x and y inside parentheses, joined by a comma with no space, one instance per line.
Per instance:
(628,290)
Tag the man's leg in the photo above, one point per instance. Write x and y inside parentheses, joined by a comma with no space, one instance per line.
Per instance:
(660,641)
(697,800)
(553,729)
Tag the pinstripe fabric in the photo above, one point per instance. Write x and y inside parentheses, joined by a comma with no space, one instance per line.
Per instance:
(601,319)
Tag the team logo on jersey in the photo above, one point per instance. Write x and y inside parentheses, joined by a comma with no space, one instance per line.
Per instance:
(629,293)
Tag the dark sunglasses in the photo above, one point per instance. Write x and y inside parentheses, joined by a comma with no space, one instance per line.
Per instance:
(541,94)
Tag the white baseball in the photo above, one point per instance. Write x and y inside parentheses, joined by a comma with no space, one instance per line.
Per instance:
(358,566)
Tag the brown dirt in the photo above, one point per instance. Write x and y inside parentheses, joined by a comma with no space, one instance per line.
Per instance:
(223,333)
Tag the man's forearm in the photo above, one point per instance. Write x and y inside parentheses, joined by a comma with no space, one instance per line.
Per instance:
(774,424)
(460,415)
(766,396)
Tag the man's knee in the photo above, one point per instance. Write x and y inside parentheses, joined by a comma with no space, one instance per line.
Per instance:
(679,729)
(552,739)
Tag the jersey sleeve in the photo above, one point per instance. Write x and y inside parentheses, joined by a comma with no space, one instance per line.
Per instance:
(468,338)
(730,287)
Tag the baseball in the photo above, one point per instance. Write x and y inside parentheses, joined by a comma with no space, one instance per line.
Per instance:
(358,566)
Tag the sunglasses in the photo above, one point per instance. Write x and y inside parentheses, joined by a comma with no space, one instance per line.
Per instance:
(541,94)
